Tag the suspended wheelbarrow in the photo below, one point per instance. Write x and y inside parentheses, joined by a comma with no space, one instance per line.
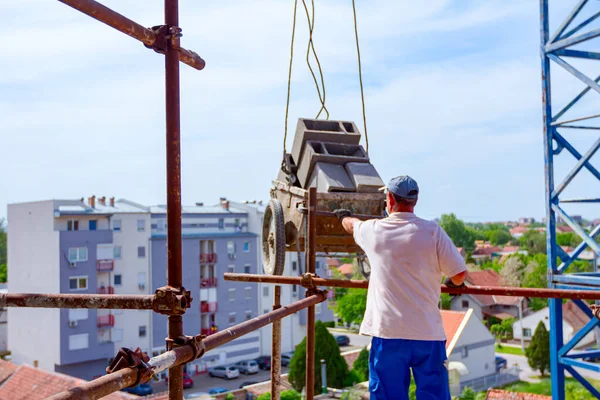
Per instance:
(285,222)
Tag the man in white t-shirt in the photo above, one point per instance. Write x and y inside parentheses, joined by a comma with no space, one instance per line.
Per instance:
(408,256)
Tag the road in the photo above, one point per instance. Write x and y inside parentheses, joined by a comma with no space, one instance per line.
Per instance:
(529,375)
(356,341)
(203,382)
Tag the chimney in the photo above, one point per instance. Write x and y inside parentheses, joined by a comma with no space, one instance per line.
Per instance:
(226,205)
(92,201)
(102,200)
(112,201)
(199,204)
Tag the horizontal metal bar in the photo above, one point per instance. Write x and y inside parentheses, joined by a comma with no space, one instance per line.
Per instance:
(304,210)
(131,28)
(578,54)
(485,290)
(580,127)
(113,382)
(581,364)
(596,200)
(559,123)
(561,44)
(49,300)
(584,354)
(577,279)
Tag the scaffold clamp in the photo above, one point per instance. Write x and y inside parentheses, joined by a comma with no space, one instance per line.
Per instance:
(126,358)
(171,301)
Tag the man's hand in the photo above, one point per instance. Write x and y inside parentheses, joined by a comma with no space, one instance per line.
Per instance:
(342,213)
(448,282)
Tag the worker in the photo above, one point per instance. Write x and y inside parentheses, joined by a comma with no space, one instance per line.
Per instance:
(408,256)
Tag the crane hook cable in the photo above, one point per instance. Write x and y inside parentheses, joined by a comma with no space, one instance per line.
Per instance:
(362,94)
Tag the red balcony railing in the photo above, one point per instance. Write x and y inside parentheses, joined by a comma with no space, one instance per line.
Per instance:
(105,265)
(208,258)
(209,331)
(106,290)
(106,320)
(207,307)
(208,282)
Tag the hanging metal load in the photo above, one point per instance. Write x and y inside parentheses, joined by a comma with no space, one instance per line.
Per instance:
(325,155)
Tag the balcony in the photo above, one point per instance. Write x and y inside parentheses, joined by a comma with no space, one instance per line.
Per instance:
(106,290)
(208,282)
(208,307)
(209,331)
(105,265)
(106,320)
(208,258)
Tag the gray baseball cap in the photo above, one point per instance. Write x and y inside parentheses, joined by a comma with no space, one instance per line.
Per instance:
(403,186)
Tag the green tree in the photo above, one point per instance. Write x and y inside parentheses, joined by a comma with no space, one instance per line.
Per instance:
(285,395)
(458,232)
(361,365)
(339,292)
(533,241)
(503,329)
(512,272)
(230,396)
(446,300)
(538,352)
(326,348)
(352,306)
(499,237)
(3,245)
(467,394)
(568,239)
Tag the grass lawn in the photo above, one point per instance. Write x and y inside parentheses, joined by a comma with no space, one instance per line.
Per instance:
(574,390)
(508,350)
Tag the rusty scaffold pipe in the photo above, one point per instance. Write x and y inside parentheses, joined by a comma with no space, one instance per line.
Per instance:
(484,290)
(108,301)
(194,348)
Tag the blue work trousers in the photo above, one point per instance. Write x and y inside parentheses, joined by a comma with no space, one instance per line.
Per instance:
(390,364)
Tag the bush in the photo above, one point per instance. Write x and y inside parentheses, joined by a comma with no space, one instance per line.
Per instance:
(352,378)
(230,396)
(326,348)
(286,395)
(361,365)
(538,352)
(329,324)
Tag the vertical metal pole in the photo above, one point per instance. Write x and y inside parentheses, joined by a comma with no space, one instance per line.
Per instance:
(311,264)
(276,348)
(174,273)
(555,305)
(521,322)
(323,376)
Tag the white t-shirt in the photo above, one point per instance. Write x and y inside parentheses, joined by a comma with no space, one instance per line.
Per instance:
(408,256)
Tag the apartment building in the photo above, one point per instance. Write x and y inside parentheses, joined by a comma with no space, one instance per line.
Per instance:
(293,328)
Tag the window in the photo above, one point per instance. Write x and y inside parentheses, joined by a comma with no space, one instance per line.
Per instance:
(231,294)
(231,319)
(117,335)
(231,268)
(265,291)
(72,225)
(161,225)
(78,314)
(294,265)
(526,332)
(248,292)
(141,280)
(318,308)
(78,254)
(92,224)
(248,315)
(142,331)
(77,342)
(117,252)
(294,290)
(221,223)
(246,247)
(117,225)
(231,249)
(141,251)
(78,283)
(265,311)
(318,264)
(465,304)
(141,225)
(117,280)
(464,352)
(247,269)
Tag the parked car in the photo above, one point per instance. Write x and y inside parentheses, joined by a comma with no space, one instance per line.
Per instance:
(500,363)
(198,396)
(229,372)
(286,358)
(187,381)
(217,390)
(264,362)
(143,389)
(247,367)
(342,340)
(248,384)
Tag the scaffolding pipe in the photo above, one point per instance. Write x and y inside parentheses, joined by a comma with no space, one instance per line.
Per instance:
(131,28)
(110,383)
(108,301)
(311,255)
(276,348)
(483,290)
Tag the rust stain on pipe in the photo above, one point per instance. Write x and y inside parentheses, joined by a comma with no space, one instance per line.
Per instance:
(108,301)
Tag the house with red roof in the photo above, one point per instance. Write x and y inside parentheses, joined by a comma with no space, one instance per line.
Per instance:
(485,252)
(347,270)
(487,306)
(498,394)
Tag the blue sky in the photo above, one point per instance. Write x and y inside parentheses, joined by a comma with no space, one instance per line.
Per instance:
(452,88)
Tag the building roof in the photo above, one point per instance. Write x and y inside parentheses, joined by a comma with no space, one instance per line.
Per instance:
(346,269)
(454,322)
(6,370)
(332,262)
(497,394)
(28,383)
(486,249)
(510,249)
(574,316)
(489,277)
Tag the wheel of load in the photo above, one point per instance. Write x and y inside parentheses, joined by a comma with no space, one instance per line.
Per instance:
(273,239)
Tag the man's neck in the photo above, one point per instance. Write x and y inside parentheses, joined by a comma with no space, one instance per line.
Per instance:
(404,209)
